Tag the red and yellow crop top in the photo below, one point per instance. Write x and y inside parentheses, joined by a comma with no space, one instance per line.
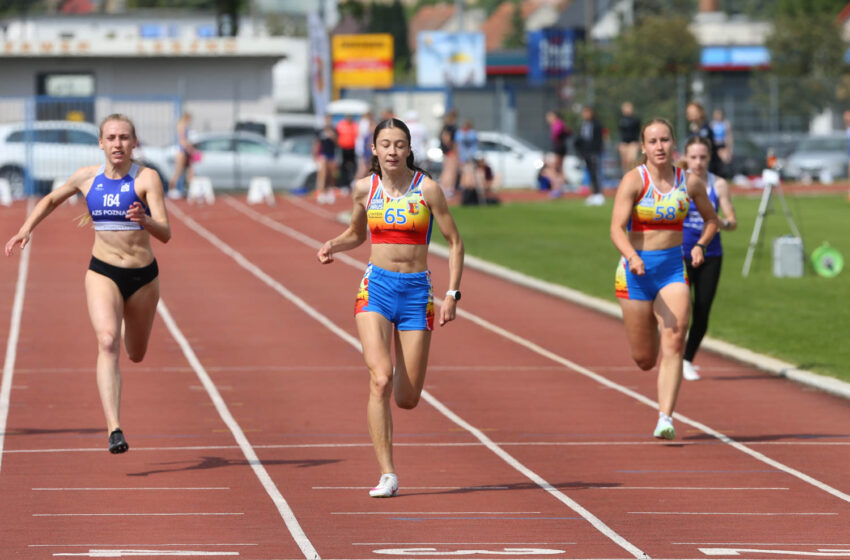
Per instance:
(660,211)
(405,220)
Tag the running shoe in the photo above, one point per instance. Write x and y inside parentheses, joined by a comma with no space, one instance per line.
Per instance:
(387,487)
(689,372)
(117,443)
(664,429)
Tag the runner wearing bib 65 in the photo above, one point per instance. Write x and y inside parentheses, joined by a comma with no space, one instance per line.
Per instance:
(396,207)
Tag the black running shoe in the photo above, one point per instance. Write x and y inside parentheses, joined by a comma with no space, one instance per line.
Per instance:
(117,443)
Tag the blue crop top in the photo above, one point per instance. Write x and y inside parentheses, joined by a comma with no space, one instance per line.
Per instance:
(109,199)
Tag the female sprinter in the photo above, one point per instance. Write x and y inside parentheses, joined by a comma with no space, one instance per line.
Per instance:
(646,227)
(704,278)
(126,205)
(396,204)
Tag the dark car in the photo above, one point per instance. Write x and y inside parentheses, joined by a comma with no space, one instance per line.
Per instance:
(748,158)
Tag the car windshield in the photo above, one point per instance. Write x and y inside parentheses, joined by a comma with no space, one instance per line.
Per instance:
(824,144)
(299,145)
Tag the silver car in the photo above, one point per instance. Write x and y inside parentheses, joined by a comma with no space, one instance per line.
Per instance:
(231,159)
(45,151)
(821,158)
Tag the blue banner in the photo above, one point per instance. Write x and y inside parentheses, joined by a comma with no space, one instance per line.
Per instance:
(551,53)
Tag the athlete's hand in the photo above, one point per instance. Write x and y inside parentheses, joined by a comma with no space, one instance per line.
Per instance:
(325,254)
(697,256)
(136,213)
(19,238)
(636,265)
(448,311)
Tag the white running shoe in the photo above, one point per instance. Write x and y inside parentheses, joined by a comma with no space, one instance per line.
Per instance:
(689,372)
(387,487)
(664,429)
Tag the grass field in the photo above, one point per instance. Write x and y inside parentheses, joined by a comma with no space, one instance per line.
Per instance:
(804,321)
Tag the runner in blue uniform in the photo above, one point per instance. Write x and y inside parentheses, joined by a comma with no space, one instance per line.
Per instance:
(127,207)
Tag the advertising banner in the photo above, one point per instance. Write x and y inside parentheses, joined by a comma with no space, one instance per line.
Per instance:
(364,61)
(551,53)
(450,59)
(320,63)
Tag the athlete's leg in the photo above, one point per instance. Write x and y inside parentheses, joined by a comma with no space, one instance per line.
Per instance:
(139,313)
(411,357)
(106,307)
(376,334)
(672,309)
(641,330)
(704,279)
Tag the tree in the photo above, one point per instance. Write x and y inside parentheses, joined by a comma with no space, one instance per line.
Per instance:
(516,36)
(647,64)
(806,59)
(392,19)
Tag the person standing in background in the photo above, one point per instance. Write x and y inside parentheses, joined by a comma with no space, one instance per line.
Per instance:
(722,130)
(589,146)
(363,148)
(629,127)
(559,133)
(418,139)
(698,126)
(346,138)
(449,174)
(184,158)
(325,162)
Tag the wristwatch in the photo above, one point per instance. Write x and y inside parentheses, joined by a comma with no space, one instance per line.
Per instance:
(455,294)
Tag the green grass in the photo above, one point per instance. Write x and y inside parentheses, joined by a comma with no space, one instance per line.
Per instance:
(804,321)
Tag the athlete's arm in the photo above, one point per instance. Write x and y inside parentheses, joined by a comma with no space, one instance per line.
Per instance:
(624,201)
(730,222)
(440,210)
(699,194)
(48,204)
(150,187)
(355,234)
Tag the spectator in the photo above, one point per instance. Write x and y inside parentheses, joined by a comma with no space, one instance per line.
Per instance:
(325,162)
(559,132)
(629,126)
(184,158)
(589,146)
(698,126)
(346,138)
(722,130)
(449,174)
(466,141)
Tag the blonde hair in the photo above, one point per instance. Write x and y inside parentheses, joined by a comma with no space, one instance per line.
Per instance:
(118,117)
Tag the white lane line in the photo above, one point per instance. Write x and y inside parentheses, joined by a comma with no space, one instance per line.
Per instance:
(260,472)
(759,544)
(191,514)
(436,513)
(536,348)
(181,489)
(415,487)
(455,543)
(12,341)
(136,545)
(768,514)
(126,553)
(597,523)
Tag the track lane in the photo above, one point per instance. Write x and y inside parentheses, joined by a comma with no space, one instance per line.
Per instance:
(783,387)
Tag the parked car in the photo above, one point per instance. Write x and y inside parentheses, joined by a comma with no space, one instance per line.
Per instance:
(278,127)
(515,162)
(230,159)
(821,157)
(45,151)
(748,158)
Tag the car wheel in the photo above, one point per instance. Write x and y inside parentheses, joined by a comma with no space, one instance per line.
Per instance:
(17,180)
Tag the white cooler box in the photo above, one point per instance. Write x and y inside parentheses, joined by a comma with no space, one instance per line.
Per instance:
(788,257)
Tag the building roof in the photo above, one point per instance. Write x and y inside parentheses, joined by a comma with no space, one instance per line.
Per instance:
(429,18)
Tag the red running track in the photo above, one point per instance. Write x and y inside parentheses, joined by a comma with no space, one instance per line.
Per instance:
(246,421)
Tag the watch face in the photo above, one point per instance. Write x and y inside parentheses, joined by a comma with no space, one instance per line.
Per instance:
(457,295)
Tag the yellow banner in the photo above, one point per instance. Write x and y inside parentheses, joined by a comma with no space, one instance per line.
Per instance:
(363,61)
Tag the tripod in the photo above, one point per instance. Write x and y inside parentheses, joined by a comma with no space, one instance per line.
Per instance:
(771,183)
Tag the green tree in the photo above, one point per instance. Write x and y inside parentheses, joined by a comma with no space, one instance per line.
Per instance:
(516,35)
(392,19)
(647,64)
(806,59)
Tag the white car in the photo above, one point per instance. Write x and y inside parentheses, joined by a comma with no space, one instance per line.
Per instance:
(515,162)
(231,159)
(44,151)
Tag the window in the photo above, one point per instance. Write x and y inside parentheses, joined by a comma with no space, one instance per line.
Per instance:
(250,147)
(215,145)
(81,137)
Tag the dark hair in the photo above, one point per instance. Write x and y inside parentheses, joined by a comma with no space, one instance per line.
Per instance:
(375,166)
(657,120)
